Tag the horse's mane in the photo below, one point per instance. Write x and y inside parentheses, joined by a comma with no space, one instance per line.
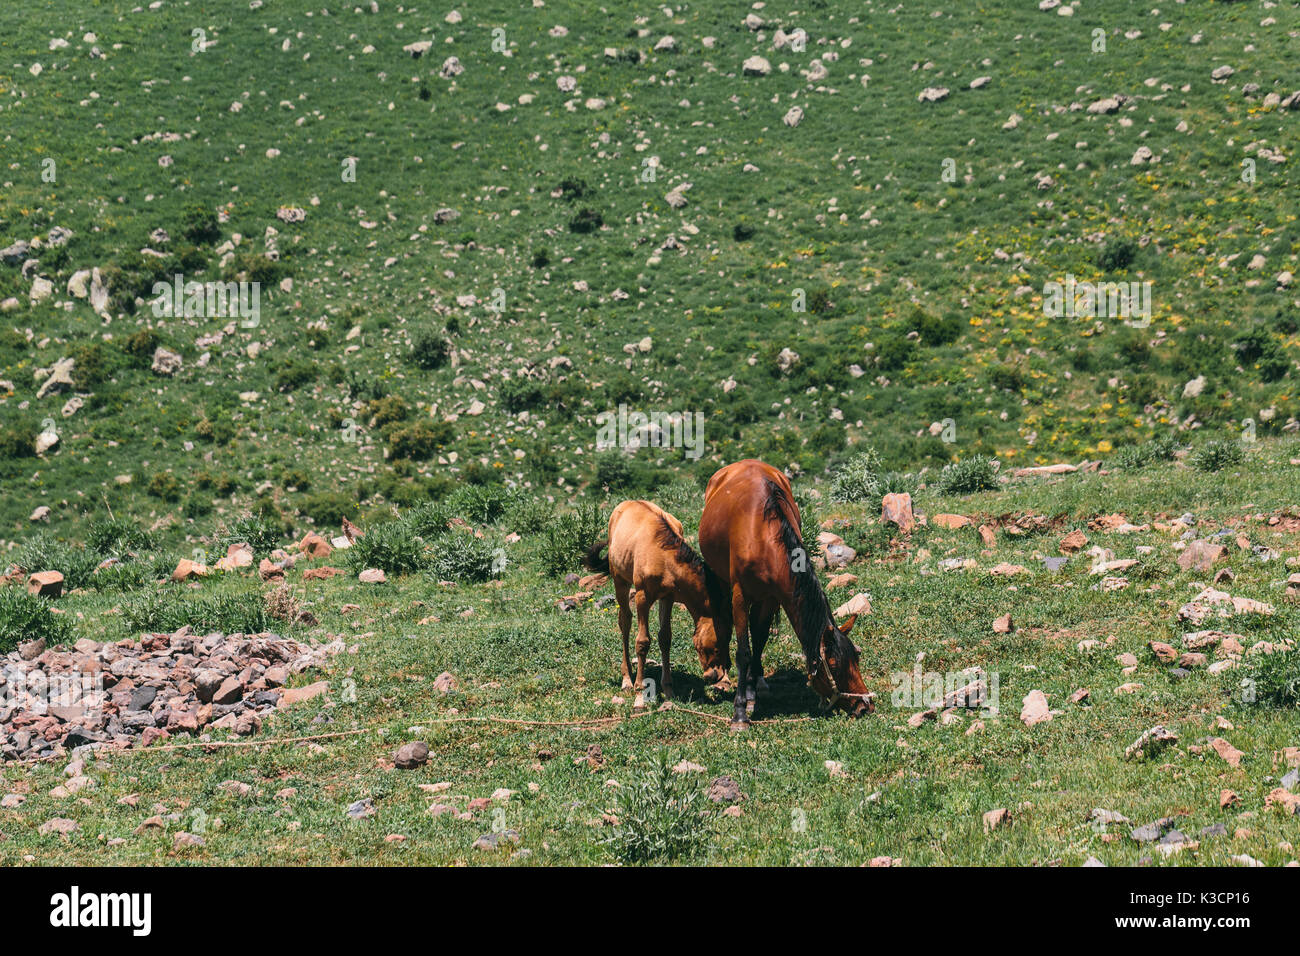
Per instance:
(670,540)
(812,609)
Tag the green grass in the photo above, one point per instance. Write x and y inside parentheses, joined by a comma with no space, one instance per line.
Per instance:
(913,794)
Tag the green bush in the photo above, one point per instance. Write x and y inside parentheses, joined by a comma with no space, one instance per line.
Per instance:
(418,441)
(1157,449)
(43,552)
(1117,255)
(258,530)
(1273,680)
(393,547)
(122,576)
(1216,455)
(328,508)
(26,617)
(114,537)
(569,536)
(661,818)
(859,478)
(967,477)
(430,519)
(527,516)
(480,504)
(464,558)
(164,610)
(429,350)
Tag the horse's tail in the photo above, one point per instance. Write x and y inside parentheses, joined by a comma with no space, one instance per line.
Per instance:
(594,560)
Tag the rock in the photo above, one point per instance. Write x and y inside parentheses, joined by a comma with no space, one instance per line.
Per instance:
(495,839)
(993,819)
(1211,602)
(1163,652)
(46,441)
(1194,387)
(1150,742)
(933,94)
(46,584)
(793,117)
(314,546)
(446,683)
(372,576)
(860,603)
(41,513)
(451,67)
(756,66)
(1034,709)
(1230,754)
(294,695)
(237,556)
(1073,542)
(165,362)
(841,581)
(724,790)
(59,378)
(187,569)
(412,755)
(1201,556)
(896,508)
(42,289)
(361,809)
(950,522)
(1003,625)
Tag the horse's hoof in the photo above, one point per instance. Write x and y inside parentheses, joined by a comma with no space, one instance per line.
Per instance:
(627,683)
(639,703)
(739,725)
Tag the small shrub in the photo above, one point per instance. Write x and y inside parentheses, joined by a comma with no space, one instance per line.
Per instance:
(660,818)
(258,530)
(1217,455)
(1116,255)
(1273,681)
(26,617)
(43,552)
(569,536)
(1132,457)
(967,477)
(418,441)
(168,610)
(586,221)
(429,350)
(527,516)
(164,485)
(521,394)
(114,537)
(122,576)
(328,508)
(464,558)
(858,479)
(393,547)
(480,504)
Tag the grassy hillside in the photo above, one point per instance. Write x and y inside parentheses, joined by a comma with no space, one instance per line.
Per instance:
(537,733)
(359,386)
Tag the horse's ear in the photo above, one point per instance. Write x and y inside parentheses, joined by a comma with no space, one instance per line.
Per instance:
(848,625)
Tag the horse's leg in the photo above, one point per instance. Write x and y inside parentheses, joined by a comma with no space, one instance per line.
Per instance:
(740,716)
(624,626)
(665,643)
(643,603)
(760,618)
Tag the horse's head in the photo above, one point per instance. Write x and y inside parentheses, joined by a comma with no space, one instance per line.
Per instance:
(715,655)
(835,677)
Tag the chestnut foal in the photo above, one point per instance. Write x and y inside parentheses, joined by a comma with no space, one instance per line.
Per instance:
(648,554)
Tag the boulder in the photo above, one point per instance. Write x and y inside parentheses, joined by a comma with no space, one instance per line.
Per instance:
(46,584)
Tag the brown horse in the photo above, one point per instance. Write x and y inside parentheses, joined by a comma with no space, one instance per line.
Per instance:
(750,536)
(648,554)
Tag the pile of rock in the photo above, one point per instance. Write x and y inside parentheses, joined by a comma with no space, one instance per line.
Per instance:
(131,693)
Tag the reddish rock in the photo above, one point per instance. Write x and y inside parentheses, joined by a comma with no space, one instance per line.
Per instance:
(321,574)
(187,569)
(445,683)
(1075,541)
(1034,709)
(950,522)
(1201,556)
(988,535)
(314,546)
(412,755)
(1003,625)
(295,695)
(897,509)
(46,584)
(372,576)
(1000,817)
(841,581)
(1163,652)
(230,691)
(269,572)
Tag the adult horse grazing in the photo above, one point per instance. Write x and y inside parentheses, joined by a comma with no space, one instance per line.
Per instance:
(648,554)
(750,536)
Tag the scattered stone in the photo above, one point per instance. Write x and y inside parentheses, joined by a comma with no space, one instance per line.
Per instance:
(996,818)
(1034,709)
(46,584)
(1150,742)
(412,755)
